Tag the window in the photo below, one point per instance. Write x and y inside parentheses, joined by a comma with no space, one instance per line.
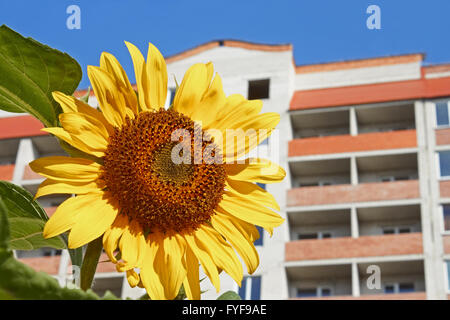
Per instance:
(258,89)
(307,236)
(446,214)
(259,241)
(250,288)
(261,185)
(171,95)
(265,142)
(403,287)
(306,293)
(444,163)
(314,292)
(448,274)
(389,288)
(396,230)
(394,178)
(406,287)
(442,114)
(314,235)
(316,184)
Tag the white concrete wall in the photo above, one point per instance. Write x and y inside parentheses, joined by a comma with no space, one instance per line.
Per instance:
(357,76)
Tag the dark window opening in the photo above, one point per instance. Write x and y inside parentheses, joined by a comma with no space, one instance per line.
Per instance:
(306,293)
(258,89)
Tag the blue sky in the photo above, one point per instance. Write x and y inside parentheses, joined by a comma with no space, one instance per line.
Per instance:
(320,30)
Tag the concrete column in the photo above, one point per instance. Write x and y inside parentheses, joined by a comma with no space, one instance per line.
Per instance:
(429,189)
(355,280)
(353,171)
(353,122)
(354,222)
(62,270)
(25,154)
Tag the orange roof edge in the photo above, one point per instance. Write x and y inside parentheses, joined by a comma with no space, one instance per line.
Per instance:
(371,93)
(437,68)
(360,63)
(229,43)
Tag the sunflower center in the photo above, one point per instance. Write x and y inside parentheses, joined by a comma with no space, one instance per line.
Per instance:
(156,180)
(167,169)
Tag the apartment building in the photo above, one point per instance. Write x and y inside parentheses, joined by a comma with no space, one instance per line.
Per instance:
(366,145)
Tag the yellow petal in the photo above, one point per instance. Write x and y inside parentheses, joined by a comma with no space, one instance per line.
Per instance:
(237,237)
(156,72)
(111,101)
(250,131)
(133,278)
(168,263)
(256,170)
(66,168)
(65,216)
(211,102)
(221,252)
(130,245)
(202,254)
(192,280)
(191,90)
(251,191)
(49,186)
(86,132)
(236,109)
(250,211)
(150,279)
(93,220)
(76,143)
(110,64)
(113,234)
(140,73)
(72,104)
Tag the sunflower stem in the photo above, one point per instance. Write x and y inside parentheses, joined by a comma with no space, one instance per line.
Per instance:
(90,261)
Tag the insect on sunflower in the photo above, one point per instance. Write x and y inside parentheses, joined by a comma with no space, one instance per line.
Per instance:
(164,217)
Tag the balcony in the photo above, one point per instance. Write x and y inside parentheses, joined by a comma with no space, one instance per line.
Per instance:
(398,280)
(444,188)
(320,224)
(306,282)
(348,247)
(50,264)
(347,143)
(20,126)
(442,136)
(320,173)
(388,220)
(6,172)
(395,296)
(320,124)
(337,194)
(446,243)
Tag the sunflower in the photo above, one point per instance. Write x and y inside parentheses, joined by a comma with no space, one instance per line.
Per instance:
(160,220)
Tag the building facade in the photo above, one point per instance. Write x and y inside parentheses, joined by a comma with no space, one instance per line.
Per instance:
(366,147)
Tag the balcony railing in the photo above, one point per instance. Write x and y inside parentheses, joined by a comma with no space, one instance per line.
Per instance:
(335,194)
(348,247)
(420,295)
(6,172)
(346,143)
(50,265)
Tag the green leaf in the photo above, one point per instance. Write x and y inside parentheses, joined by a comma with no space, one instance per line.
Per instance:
(4,227)
(229,295)
(29,72)
(18,281)
(26,219)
